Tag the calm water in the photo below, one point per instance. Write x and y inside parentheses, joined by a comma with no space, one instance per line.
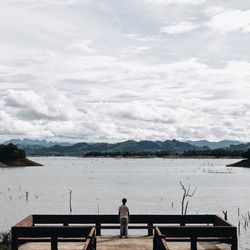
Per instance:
(151,186)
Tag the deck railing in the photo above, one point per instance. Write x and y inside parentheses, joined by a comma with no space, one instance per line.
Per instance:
(193,234)
(136,221)
(59,227)
(25,231)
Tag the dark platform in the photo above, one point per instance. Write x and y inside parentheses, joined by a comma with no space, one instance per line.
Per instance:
(193,229)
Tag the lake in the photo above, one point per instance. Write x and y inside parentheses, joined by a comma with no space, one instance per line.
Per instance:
(152,186)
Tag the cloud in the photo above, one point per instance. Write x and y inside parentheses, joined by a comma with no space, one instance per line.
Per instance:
(230,20)
(173,2)
(28,105)
(183,100)
(135,49)
(103,71)
(144,113)
(179,28)
(82,47)
(43,2)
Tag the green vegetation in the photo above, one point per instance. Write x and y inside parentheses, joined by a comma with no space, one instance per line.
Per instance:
(12,156)
(11,152)
(140,149)
(220,152)
(217,153)
(243,163)
(5,241)
(131,148)
(129,154)
(247,154)
(3,247)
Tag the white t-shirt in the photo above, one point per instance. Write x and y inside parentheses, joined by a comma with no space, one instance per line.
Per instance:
(123,211)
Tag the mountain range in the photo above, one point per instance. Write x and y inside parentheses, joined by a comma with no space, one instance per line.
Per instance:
(32,142)
(172,147)
(214,145)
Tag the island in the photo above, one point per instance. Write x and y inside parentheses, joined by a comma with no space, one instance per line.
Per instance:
(245,163)
(12,156)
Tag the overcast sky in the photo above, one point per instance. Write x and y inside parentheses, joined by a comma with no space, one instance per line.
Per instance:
(112,70)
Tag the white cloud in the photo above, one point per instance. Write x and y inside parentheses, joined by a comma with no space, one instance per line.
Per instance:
(28,105)
(43,2)
(173,2)
(214,10)
(82,46)
(231,20)
(136,49)
(103,72)
(183,100)
(179,28)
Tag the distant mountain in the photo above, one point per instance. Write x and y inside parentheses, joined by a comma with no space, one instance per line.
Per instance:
(80,149)
(214,145)
(243,147)
(35,147)
(133,148)
(30,142)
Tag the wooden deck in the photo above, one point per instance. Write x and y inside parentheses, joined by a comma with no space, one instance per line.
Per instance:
(46,246)
(132,243)
(171,232)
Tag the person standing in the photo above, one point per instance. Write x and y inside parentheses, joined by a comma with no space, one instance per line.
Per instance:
(123,213)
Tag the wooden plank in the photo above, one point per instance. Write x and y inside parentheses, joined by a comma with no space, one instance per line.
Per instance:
(199,239)
(43,231)
(26,222)
(196,232)
(189,231)
(132,243)
(47,246)
(145,219)
(221,222)
(91,240)
(48,239)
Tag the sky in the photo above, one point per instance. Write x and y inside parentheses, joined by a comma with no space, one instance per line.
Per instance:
(115,70)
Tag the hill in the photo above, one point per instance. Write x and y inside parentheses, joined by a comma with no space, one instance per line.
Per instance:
(214,145)
(31,142)
(11,155)
(132,147)
(243,163)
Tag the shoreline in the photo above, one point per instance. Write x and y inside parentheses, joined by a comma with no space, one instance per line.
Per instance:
(140,157)
(20,163)
(244,163)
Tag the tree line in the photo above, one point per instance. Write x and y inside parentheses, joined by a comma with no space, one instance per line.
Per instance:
(192,153)
(11,152)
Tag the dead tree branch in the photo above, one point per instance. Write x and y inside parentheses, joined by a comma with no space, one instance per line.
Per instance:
(186,193)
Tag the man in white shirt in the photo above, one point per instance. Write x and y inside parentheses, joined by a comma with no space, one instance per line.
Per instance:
(124,218)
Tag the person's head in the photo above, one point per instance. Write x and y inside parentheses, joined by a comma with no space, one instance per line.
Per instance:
(124,200)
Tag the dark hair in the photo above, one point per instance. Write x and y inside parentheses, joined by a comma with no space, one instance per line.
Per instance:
(124,200)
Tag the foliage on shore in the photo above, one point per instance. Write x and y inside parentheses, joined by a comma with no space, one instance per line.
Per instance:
(11,155)
(14,156)
(143,149)
(243,163)
(3,247)
(220,152)
(217,153)
(5,240)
